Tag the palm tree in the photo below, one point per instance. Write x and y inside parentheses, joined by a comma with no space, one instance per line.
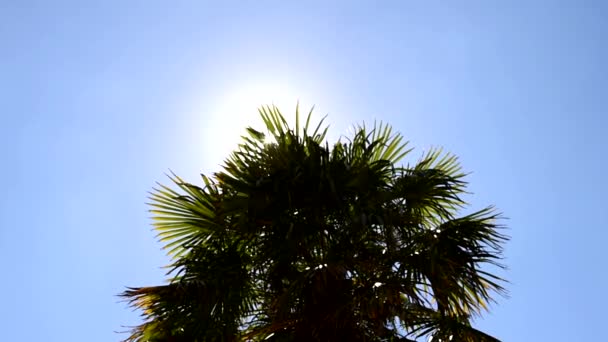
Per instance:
(297,241)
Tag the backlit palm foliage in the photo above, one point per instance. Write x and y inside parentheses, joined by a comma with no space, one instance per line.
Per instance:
(295,240)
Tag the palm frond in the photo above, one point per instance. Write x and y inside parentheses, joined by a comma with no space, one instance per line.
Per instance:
(187,218)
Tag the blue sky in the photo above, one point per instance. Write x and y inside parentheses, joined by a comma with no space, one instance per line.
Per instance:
(100,98)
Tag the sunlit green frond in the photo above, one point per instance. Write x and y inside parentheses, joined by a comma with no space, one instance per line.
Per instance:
(184,219)
(450,257)
(392,148)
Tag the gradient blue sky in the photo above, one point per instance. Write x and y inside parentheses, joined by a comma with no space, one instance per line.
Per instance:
(98,99)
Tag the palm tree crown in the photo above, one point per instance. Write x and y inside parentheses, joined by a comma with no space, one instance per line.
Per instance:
(295,240)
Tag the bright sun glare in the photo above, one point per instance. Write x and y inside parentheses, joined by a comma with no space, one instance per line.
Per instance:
(237,109)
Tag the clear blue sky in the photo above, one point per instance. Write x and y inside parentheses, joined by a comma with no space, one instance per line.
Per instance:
(98,99)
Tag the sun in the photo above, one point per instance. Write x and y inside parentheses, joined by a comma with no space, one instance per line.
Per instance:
(237,109)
